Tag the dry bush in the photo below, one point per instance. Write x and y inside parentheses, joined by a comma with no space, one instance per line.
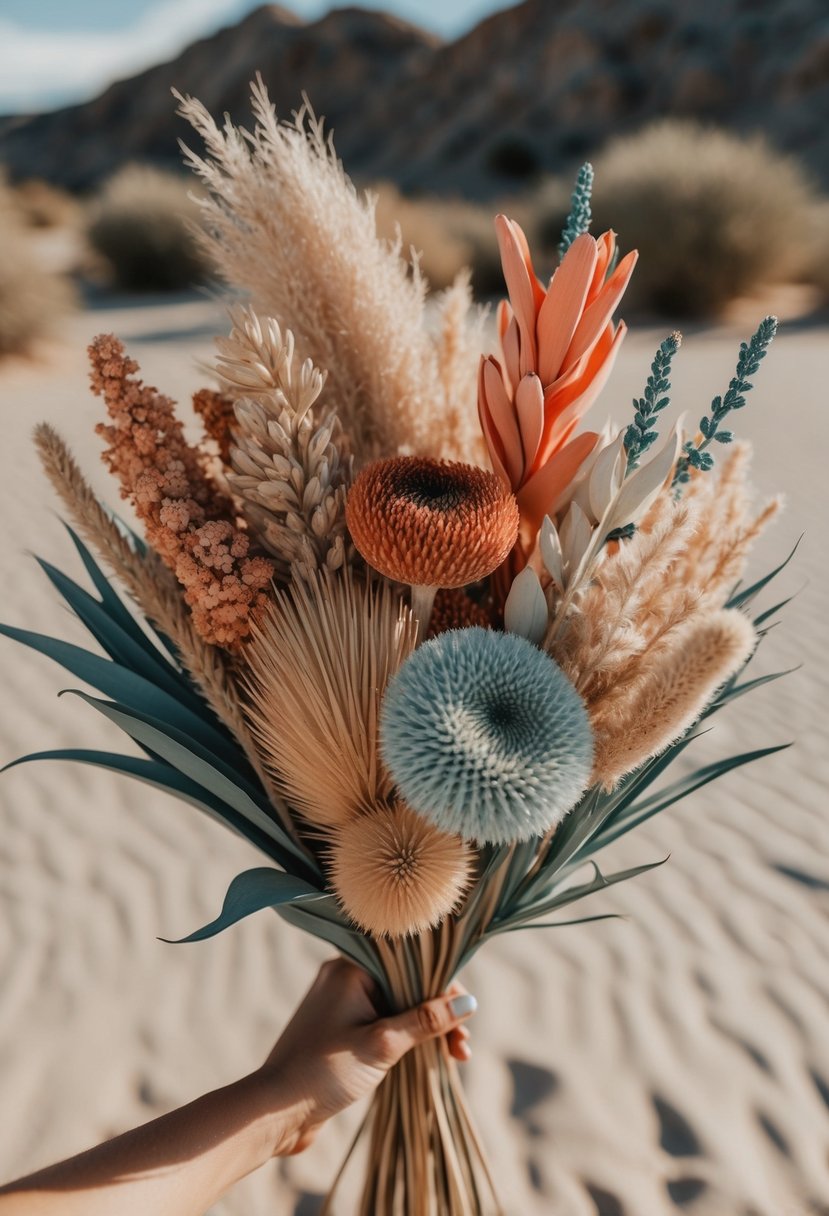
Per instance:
(817,271)
(43,205)
(714,216)
(142,225)
(448,234)
(33,300)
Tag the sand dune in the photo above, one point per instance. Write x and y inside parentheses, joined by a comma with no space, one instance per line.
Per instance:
(674,1061)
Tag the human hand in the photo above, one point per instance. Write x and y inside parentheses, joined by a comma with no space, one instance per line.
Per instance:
(336,1049)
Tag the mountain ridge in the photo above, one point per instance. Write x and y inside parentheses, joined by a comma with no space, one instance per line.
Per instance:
(531,89)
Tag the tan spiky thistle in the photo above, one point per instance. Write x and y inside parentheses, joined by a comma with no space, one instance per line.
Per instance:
(317,669)
(395,874)
(290,467)
(674,685)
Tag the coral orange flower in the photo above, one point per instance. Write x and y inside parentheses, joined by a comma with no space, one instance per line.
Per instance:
(559,344)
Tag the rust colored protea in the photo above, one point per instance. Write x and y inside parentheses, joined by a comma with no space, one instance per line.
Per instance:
(396,874)
(431,523)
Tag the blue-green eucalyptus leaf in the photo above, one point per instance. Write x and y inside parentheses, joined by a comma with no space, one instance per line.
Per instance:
(160,775)
(123,685)
(189,757)
(250,892)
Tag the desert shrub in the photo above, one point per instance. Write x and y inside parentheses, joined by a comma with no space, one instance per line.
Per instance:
(713,216)
(142,224)
(43,205)
(817,270)
(449,234)
(33,299)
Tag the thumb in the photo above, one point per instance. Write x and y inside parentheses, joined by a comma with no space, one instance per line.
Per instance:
(427,1021)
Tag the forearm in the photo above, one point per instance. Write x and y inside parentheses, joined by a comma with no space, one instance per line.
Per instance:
(177,1165)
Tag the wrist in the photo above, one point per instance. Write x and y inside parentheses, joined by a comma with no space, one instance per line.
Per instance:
(281,1123)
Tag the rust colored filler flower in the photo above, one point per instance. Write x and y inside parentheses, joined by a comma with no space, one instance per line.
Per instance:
(431,523)
(187,521)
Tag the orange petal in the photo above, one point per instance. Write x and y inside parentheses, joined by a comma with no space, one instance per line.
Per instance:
(503,316)
(597,314)
(539,290)
(491,437)
(503,418)
(605,248)
(529,405)
(511,346)
(575,399)
(519,286)
(562,307)
(543,487)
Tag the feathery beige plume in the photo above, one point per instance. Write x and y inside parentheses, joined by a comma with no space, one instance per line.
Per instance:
(460,340)
(155,590)
(673,687)
(727,527)
(284,224)
(614,618)
(317,669)
(395,874)
(291,470)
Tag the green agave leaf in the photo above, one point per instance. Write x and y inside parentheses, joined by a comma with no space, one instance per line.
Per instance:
(734,690)
(560,924)
(250,892)
(111,602)
(124,685)
(315,918)
(770,612)
(160,775)
(639,812)
(741,598)
(118,643)
(189,757)
(114,605)
(570,895)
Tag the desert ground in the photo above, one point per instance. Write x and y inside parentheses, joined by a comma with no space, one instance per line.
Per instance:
(673,1061)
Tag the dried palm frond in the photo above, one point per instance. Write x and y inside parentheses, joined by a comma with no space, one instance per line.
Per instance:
(317,669)
(675,683)
(290,467)
(284,224)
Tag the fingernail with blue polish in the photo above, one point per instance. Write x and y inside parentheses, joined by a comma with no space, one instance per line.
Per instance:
(463,1005)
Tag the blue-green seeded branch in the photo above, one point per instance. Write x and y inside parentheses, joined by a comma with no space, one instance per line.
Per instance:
(642,433)
(580,217)
(752,353)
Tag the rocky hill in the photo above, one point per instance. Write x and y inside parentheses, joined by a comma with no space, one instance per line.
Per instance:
(531,89)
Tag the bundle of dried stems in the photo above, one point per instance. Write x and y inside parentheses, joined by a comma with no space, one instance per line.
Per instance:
(579,600)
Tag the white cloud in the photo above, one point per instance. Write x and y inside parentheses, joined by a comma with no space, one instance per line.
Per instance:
(39,68)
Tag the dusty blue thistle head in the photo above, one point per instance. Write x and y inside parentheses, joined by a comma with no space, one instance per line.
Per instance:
(485,736)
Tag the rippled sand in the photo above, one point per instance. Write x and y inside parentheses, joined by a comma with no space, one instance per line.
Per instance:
(674,1061)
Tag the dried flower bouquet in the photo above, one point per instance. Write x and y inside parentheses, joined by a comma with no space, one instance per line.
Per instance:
(430,691)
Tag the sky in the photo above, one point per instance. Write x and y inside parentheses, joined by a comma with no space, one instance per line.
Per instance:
(54,52)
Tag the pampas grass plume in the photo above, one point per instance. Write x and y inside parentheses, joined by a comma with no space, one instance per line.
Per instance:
(485,736)
(676,685)
(396,874)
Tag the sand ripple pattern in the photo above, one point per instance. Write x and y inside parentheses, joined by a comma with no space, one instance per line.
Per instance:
(675,1061)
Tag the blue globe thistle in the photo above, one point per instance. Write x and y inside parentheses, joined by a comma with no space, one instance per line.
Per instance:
(485,736)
